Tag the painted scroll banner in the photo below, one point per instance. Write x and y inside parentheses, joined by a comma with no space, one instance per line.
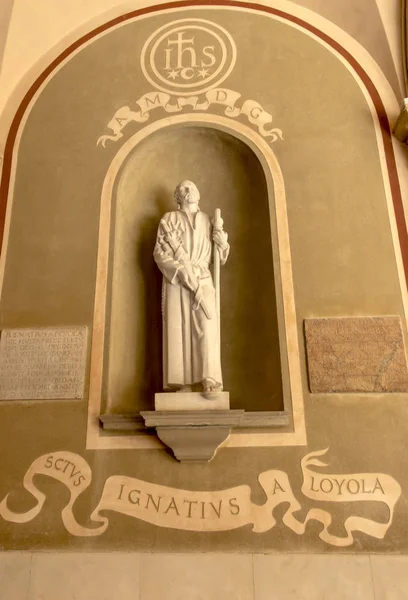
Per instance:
(251,109)
(211,511)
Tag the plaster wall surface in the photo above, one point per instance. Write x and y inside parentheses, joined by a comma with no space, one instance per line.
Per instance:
(5,14)
(390,11)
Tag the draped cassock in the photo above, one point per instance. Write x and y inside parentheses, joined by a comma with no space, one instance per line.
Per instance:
(191,350)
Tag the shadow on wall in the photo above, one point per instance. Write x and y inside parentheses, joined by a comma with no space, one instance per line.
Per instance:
(151,359)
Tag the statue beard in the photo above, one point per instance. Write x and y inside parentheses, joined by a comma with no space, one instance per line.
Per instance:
(190,198)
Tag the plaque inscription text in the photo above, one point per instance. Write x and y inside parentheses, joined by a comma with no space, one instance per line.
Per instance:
(356,354)
(42,363)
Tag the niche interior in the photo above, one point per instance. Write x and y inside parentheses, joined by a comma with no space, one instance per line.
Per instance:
(229,176)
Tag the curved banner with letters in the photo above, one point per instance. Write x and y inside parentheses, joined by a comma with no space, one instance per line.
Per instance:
(254,112)
(218,510)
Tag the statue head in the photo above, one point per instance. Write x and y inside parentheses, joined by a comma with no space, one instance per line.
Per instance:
(186,193)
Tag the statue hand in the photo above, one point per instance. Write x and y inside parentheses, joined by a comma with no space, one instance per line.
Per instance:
(220,238)
(185,279)
(165,247)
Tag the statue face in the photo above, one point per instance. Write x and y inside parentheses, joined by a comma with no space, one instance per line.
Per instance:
(187,193)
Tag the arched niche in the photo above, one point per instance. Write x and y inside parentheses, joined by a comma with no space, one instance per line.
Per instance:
(229,176)
(237,171)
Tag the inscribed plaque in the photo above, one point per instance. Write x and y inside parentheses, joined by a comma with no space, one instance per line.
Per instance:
(42,363)
(356,354)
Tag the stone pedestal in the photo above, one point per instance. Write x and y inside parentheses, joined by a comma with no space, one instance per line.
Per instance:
(192,425)
(191,401)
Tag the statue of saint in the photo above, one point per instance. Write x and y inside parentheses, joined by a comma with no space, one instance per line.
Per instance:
(187,242)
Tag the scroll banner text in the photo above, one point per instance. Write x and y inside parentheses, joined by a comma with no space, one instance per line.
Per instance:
(254,112)
(220,510)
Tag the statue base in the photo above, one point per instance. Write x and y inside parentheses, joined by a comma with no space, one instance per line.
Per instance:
(192,401)
(193,426)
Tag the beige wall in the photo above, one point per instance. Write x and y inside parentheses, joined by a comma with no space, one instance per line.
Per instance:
(5,14)
(390,11)
(37,27)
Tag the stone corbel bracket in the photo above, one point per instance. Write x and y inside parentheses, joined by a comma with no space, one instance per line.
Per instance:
(192,435)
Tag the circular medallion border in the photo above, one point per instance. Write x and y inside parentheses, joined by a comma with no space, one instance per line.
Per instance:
(213,31)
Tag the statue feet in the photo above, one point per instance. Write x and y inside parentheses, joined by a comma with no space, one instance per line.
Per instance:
(211,388)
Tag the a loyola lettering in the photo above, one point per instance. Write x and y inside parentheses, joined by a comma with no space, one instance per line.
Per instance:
(330,485)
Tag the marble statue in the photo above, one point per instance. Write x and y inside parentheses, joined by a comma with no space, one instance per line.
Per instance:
(187,242)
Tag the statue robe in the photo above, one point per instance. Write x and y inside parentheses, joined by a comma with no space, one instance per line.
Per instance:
(191,349)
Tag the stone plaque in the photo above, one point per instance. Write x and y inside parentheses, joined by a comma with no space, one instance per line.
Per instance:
(42,363)
(356,354)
